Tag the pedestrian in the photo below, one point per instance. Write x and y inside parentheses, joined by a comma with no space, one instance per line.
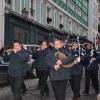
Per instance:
(76,72)
(58,74)
(43,70)
(91,70)
(18,59)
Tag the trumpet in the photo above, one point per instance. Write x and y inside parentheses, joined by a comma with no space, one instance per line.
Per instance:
(10,50)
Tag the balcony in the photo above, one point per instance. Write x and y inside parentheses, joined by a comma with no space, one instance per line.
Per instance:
(79,3)
(78,17)
(85,9)
(70,11)
(84,22)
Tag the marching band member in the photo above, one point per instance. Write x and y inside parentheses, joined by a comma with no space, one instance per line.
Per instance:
(58,74)
(91,69)
(76,72)
(43,71)
(18,59)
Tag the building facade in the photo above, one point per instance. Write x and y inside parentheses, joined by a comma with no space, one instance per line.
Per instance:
(72,14)
(93,20)
(25,19)
(98,24)
(2,6)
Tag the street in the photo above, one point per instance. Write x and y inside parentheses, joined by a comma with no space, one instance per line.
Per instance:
(33,92)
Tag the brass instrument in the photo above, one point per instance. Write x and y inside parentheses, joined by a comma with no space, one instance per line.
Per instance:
(62,57)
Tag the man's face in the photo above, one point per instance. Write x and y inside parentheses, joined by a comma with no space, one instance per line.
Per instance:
(44,45)
(89,46)
(58,44)
(75,46)
(17,46)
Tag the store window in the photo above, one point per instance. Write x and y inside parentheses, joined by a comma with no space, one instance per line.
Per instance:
(21,34)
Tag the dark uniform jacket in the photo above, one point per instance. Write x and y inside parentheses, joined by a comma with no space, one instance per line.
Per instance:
(40,59)
(94,64)
(62,73)
(77,69)
(17,63)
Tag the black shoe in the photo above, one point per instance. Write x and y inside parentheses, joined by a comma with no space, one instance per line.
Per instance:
(85,93)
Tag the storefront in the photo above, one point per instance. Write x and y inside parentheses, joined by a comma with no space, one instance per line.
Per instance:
(30,32)
(27,31)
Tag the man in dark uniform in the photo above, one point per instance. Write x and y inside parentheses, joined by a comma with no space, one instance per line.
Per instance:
(18,59)
(76,71)
(42,67)
(58,74)
(91,69)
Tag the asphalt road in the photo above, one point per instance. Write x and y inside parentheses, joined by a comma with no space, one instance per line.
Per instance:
(33,92)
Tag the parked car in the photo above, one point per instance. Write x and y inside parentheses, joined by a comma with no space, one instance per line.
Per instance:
(29,69)
(4,73)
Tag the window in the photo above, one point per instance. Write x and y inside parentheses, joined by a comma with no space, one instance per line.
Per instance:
(25,4)
(78,10)
(8,2)
(55,19)
(48,12)
(41,13)
(69,3)
(49,15)
(85,16)
(61,21)
(17,6)
(21,34)
(85,2)
(32,10)
(67,26)
(70,26)
(31,3)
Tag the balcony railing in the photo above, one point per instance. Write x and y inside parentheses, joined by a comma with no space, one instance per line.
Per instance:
(78,17)
(70,11)
(85,9)
(84,22)
(79,3)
